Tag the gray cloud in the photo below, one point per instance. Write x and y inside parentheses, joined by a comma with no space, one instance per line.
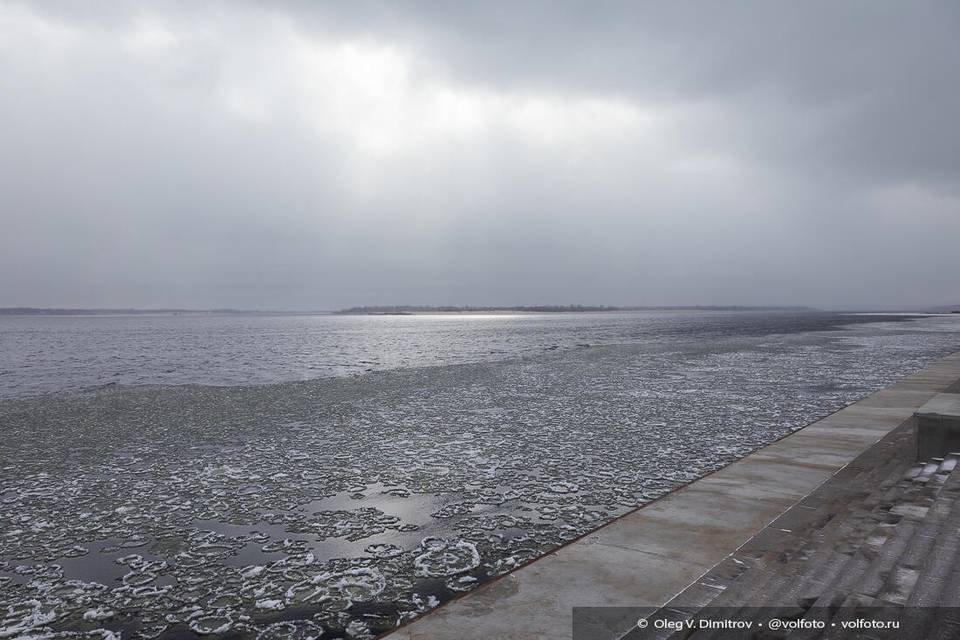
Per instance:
(307,155)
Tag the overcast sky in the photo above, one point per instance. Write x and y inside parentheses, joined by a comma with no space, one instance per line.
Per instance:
(310,155)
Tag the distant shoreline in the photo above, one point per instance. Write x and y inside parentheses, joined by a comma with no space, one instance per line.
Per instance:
(428,310)
(36,311)
(412,310)
(399,310)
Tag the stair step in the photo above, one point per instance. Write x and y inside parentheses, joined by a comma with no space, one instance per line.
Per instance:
(883,578)
(885,531)
(934,557)
(737,609)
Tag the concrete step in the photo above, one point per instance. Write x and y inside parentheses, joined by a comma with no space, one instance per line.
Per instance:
(866,565)
(935,567)
(737,608)
(888,577)
(803,539)
(884,532)
(920,512)
(946,588)
(937,564)
(844,561)
(742,578)
(910,561)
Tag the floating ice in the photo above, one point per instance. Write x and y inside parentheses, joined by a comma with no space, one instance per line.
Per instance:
(344,587)
(424,604)
(138,579)
(224,601)
(442,557)
(210,625)
(296,630)
(26,617)
(98,613)
(358,630)
(383,550)
(501,463)
(462,583)
(353,525)
(564,487)
(250,573)
(456,509)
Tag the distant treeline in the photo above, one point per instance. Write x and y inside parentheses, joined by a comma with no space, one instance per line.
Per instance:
(392,310)
(550,308)
(401,309)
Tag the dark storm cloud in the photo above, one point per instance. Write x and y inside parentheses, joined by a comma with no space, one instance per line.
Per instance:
(317,155)
(877,77)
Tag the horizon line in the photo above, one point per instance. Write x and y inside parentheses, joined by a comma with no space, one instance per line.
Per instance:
(372,309)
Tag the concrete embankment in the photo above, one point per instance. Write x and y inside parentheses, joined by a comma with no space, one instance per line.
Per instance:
(646,557)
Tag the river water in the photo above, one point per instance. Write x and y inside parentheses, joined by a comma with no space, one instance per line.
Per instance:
(332,476)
